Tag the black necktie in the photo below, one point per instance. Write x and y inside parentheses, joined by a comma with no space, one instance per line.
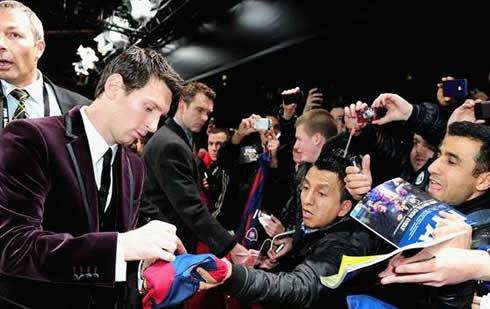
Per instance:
(105,181)
(21,95)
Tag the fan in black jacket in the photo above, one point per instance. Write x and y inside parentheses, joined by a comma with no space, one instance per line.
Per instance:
(326,234)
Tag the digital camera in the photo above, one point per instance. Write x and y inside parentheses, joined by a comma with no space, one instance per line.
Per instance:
(367,115)
(293,98)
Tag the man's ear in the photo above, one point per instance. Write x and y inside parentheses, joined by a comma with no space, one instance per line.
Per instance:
(345,207)
(483,181)
(113,84)
(317,138)
(40,46)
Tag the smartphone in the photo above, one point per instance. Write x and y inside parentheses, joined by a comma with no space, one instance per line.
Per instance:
(264,219)
(262,124)
(482,110)
(456,88)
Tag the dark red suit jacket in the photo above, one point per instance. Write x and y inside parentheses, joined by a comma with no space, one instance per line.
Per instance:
(49,220)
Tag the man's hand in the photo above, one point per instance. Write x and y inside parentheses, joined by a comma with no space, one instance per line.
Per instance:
(397,108)
(245,128)
(465,112)
(210,282)
(358,182)
(279,249)
(273,147)
(155,240)
(441,264)
(440,94)
(350,116)
(273,226)
(288,110)
(314,100)
(239,254)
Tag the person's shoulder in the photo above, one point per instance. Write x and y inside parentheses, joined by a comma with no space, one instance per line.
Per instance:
(80,99)
(66,94)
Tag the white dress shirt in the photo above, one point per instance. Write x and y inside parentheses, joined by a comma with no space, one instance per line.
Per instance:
(35,101)
(98,147)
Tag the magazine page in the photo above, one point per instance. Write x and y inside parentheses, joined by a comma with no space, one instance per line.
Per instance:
(350,264)
(400,213)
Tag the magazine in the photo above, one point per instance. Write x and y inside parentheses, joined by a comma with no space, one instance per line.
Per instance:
(350,264)
(402,215)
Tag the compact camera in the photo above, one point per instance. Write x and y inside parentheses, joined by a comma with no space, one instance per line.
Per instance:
(293,98)
(262,124)
(367,115)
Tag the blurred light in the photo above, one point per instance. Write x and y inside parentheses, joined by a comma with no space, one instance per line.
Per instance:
(144,10)
(103,46)
(88,61)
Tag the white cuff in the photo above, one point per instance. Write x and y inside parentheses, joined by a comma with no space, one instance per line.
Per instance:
(120,262)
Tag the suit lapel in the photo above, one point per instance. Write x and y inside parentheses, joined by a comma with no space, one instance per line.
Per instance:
(126,198)
(82,164)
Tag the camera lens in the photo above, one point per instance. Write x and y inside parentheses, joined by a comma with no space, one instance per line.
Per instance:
(368,114)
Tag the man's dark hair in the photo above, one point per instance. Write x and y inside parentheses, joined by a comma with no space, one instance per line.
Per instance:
(136,66)
(191,89)
(335,163)
(333,102)
(479,133)
(217,130)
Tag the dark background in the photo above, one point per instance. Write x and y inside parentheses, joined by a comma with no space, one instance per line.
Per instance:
(352,50)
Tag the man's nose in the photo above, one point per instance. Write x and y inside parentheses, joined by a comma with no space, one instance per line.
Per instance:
(153,124)
(434,167)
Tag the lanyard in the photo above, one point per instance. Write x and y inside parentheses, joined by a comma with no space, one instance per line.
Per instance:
(5,109)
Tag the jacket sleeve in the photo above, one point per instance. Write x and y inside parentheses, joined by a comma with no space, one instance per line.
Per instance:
(27,249)
(427,122)
(176,178)
(299,288)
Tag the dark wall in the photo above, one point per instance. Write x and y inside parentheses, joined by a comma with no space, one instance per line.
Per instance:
(404,50)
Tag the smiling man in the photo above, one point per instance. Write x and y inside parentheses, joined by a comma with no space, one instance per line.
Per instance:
(326,233)
(460,176)
(21,46)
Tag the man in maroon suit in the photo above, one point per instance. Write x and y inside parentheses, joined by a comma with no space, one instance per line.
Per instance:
(70,189)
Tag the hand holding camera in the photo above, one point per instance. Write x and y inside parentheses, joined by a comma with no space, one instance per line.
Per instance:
(471,110)
(354,117)
(397,108)
(245,128)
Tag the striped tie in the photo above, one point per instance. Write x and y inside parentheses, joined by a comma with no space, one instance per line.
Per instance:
(22,96)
